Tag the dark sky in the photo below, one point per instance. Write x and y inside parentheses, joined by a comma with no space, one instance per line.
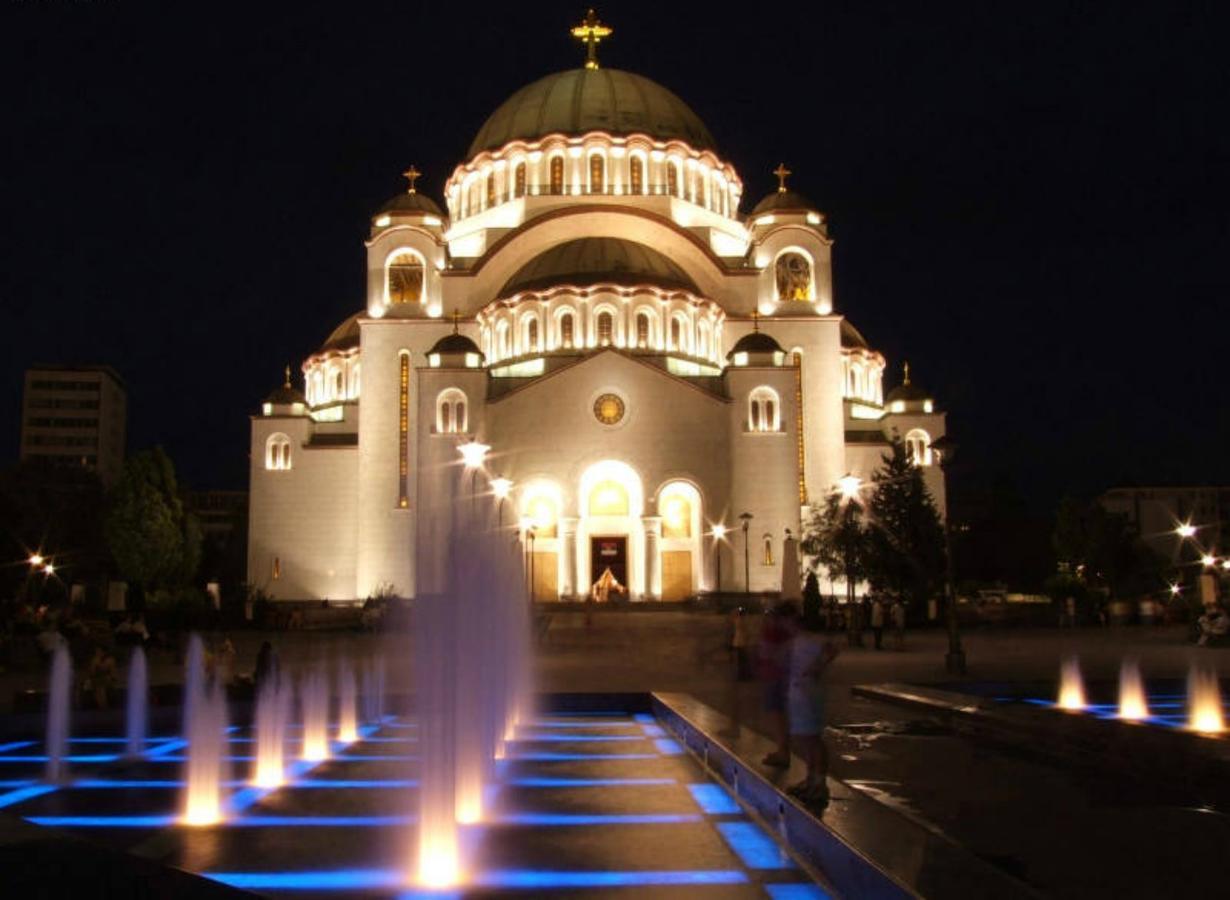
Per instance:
(1029,201)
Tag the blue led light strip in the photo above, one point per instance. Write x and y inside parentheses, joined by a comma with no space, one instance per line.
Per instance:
(509,879)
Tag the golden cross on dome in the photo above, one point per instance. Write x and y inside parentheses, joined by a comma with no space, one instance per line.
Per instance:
(287,382)
(412,175)
(456,318)
(755,320)
(590,32)
(907,373)
(782,174)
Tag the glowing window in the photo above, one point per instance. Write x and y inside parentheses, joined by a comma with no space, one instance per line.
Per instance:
(597,174)
(636,176)
(676,516)
(763,410)
(565,329)
(609,409)
(405,278)
(277,567)
(531,336)
(642,329)
(490,190)
(519,180)
(767,559)
(606,327)
(540,510)
(557,175)
(675,334)
(918,447)
(672,179)
(451,412)
(277,452)
(793,272)
(608,498)
(501,339)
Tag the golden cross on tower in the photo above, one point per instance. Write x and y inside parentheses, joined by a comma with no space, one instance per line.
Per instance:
(782,174)
(907,373)
(412,175)
(287,382)
(755,320)
(456,318)
(591,32)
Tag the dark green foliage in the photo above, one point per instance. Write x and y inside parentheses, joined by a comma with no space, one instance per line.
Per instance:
(1103,550)
(834,537)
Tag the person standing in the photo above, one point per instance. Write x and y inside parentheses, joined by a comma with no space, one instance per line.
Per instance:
(810,655)
(877,621)
(898,612)
(775,635)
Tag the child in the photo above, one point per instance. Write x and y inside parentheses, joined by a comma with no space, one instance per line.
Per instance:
(810,655)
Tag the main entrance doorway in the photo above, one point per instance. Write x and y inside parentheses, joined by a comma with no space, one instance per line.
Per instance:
(608,553)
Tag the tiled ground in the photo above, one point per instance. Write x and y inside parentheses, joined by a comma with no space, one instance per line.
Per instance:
(589,805)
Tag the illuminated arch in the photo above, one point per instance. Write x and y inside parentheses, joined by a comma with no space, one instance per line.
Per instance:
(763,410)
(277,452)
(918,447)
(794,275)
(452,412)
(405,276)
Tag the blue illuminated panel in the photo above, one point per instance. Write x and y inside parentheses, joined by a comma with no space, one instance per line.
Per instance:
(714,799)
(753,846)
(795,892)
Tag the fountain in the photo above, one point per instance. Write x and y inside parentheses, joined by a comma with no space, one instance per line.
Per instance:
(58,700)
(348,712)
(273,707)
(1071,685)
(138,691)
(373,691)
(314,704)
(1204,710)
(205,730)
(1133,705)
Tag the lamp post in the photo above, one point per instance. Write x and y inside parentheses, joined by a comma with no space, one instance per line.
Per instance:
(848,486)
(746,519)
(719,535)
(954,660)
(530,533)
(472,455)
(501,487)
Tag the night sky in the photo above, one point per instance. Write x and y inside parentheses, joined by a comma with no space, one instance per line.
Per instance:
(1029,202)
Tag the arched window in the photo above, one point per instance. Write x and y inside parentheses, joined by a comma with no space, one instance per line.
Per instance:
(606,328)
(451,412)
(676,335)
(608,498)
(277,452)
(519,180)
(636,176)
(405,277)
(767,559)
(501,339)
(531,336)
(472,193)
(277,567)
(339,386)
(676,511)
(918,447)
(642,329)
(763,410)
(557,174)
(672,178)
(793,272)
(566,330)
(490,190)
(539,507)
(597,174)
(702,339)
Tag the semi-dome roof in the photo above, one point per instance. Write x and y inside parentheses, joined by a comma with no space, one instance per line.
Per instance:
(755,342)
(582,100)
(344,336)
(454,343)
(409,202)
(587,261)
(852,337)
(784,200)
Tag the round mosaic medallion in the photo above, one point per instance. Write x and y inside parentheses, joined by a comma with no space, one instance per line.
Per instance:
(609,409)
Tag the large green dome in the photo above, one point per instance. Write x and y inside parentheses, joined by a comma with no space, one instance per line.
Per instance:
(582,100)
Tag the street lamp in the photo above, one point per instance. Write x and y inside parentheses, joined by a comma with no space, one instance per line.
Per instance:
(36,560)
(954,661)
(472,455)
(719,534)
(1208,560)
(746,519)
(1186,530)
(501,487)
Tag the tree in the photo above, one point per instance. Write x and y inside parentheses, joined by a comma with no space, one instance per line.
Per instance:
(834,538)
(905,545)
(154,542)
(1103,550)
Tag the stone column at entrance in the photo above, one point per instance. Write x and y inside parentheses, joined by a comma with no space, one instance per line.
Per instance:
(653,558)
(568,548)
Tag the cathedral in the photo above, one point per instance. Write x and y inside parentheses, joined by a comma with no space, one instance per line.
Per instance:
(649,383)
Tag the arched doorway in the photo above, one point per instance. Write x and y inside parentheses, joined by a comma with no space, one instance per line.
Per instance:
(610,533)
(679,509)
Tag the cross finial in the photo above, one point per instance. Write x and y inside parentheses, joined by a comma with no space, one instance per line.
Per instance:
(412,175)
(907,372)
(456,317)
(590,32)
(782,174)
(755,320)
(286,383)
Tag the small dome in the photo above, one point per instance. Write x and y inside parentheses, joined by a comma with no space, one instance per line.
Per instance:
(454,343)
(851,337)
(344,336)
(409,203)
(286,394)
(784,201)
(755,342)
(587,261)
(908,392)
(582,100)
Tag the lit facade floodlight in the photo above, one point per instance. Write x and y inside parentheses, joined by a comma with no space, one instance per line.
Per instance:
(719,531)
(1175,590)
(501,487)
(49,569)
(473,453)
(849,486)
(36,559)
(1186,530)
(1209,560)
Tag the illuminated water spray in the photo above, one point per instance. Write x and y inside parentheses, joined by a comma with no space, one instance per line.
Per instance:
(1133,705)
(205,730)
(1204,712)
(273,706)
(314,700)
(348,711)
(57,714)
(1071,685)
(138,689)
